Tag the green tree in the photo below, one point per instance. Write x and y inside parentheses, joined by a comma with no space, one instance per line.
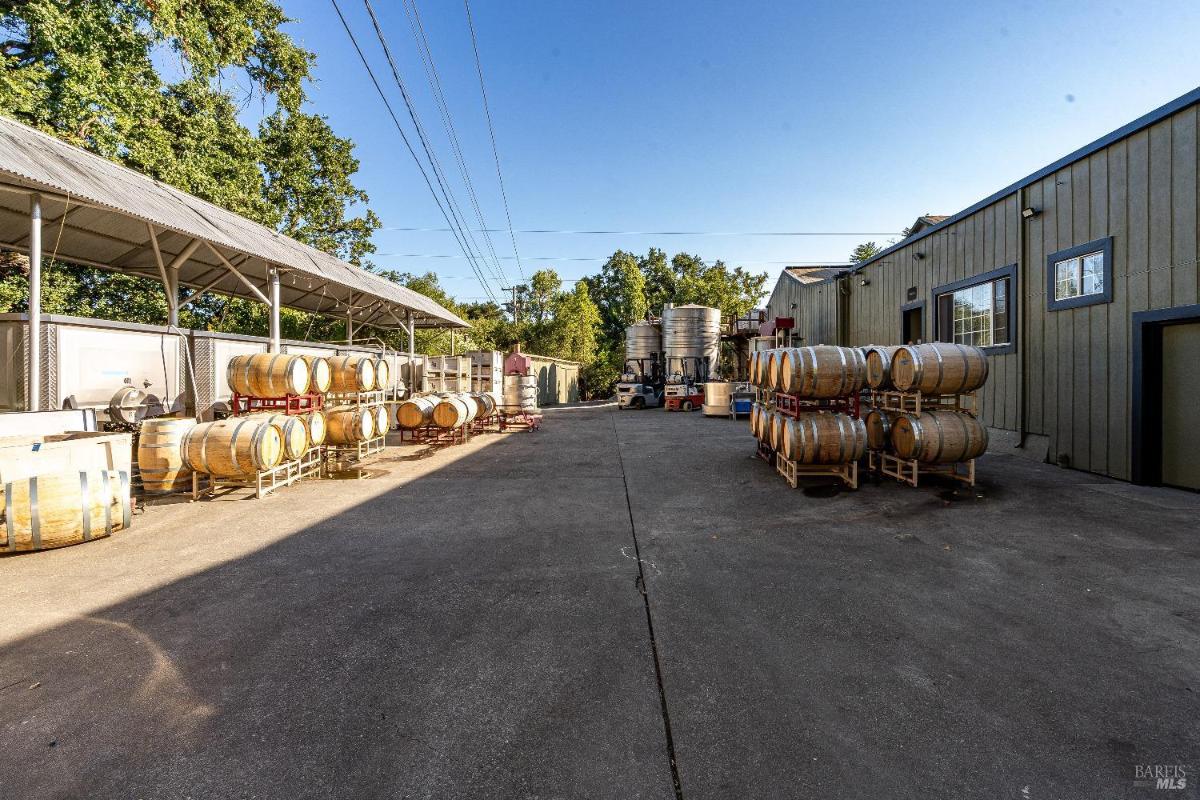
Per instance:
(660,280)
(620,293)
(865,251)
(88,72)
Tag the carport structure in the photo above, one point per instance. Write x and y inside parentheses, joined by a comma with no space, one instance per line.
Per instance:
(97,213)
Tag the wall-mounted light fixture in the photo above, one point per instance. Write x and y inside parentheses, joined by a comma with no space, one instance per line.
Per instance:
(918,256)
(865,282)
(1030,212)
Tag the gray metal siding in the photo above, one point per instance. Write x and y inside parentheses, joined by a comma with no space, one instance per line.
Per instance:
(815,312)
(1142,191)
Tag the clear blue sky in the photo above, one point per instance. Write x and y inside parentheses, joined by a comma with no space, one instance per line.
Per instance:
(747,116)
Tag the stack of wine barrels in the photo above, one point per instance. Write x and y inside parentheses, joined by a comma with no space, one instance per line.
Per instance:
(814,373)
(931,371)
(235,448)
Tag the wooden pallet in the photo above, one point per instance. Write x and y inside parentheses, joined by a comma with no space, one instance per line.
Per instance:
(309,465)
(793,471)
(910,470)
(793,406)
(916,402)
(766,453)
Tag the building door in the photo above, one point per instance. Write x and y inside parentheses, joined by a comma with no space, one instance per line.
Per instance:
(914,324)
(1180,388)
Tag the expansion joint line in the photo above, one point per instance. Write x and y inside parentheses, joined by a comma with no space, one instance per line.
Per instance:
(644,589)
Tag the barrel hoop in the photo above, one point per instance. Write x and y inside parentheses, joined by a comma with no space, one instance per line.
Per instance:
(108,498)
(962,353)
(35,517)
(233,444)
(10,536)
(83,505)
(841,418)
(841,383)
(941,445)
(126,503)
(966,434)
(937,353)
(255,442)
(914,424)
(204,447)
(246,371)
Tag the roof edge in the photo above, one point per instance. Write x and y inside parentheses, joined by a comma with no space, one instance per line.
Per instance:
(1125,131)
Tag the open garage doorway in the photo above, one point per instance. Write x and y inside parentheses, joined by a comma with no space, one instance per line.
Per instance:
(1166,385)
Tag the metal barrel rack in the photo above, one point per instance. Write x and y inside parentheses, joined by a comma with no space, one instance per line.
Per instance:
(343,454)
(292,404)
(309,465)
(432,434)
(521,421)
(907,470)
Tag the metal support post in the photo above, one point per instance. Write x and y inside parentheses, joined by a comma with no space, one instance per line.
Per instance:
(34,341)
(275,346)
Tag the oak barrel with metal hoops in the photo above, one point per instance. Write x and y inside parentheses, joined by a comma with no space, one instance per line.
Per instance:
(757,415)
(233,448)
(63,508)
(160,455)
(755,361)
(314,422)
(879,428)
(454,411)
(319,374)
(939,368)
(347,425)
(822,438)
(821,372)
(487,404)
(939,437)
(267,374)
(383,374)
(415,412)
(777,424)
(293,434)
(879,366)
(351,374)
(769,369)
(382,424)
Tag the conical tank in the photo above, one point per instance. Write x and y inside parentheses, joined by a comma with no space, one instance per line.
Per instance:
(689,333)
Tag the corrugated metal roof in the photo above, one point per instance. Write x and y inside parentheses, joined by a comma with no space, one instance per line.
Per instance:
(817,274)
(107,208)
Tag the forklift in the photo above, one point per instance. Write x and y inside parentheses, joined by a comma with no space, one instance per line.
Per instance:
(684,390)
(639,387)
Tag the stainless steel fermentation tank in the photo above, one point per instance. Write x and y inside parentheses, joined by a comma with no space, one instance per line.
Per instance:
(643,348)
(691,337)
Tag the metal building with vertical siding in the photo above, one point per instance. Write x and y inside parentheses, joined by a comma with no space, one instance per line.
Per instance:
(1081,283)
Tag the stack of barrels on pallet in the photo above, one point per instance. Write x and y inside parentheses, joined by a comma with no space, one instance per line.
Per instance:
(171,449)
(805,410)
(918,411)
(445,411)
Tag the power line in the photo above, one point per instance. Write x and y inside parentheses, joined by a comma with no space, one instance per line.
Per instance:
(665,233)
(789,262)
(435,86)
(492,132)
(396,121)
(438,173)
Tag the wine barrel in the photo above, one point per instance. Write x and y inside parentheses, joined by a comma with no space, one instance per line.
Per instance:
(754,420)
(939,437)
(415,412)
(314,421)
(267,374)
(351,374)
(319,374)
(821,438)
(879,366)
(293,434)
(345,425)
(63,508)
(383,374)
(233,448)
(879,428)
(778,422)
(752,367)
(487,404)
(770,370)
(380,417)
(520,394)
(160,455)
(821,372)
(454,411)
(939,368)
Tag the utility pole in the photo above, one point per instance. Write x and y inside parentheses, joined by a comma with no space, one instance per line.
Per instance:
(514,306)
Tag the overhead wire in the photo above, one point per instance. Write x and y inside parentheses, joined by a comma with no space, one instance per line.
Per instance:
(453,229)
(435,164)
(435,86)
(667,233)
(487,112)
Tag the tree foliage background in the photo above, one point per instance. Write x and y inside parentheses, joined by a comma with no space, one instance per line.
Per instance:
(158,85)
